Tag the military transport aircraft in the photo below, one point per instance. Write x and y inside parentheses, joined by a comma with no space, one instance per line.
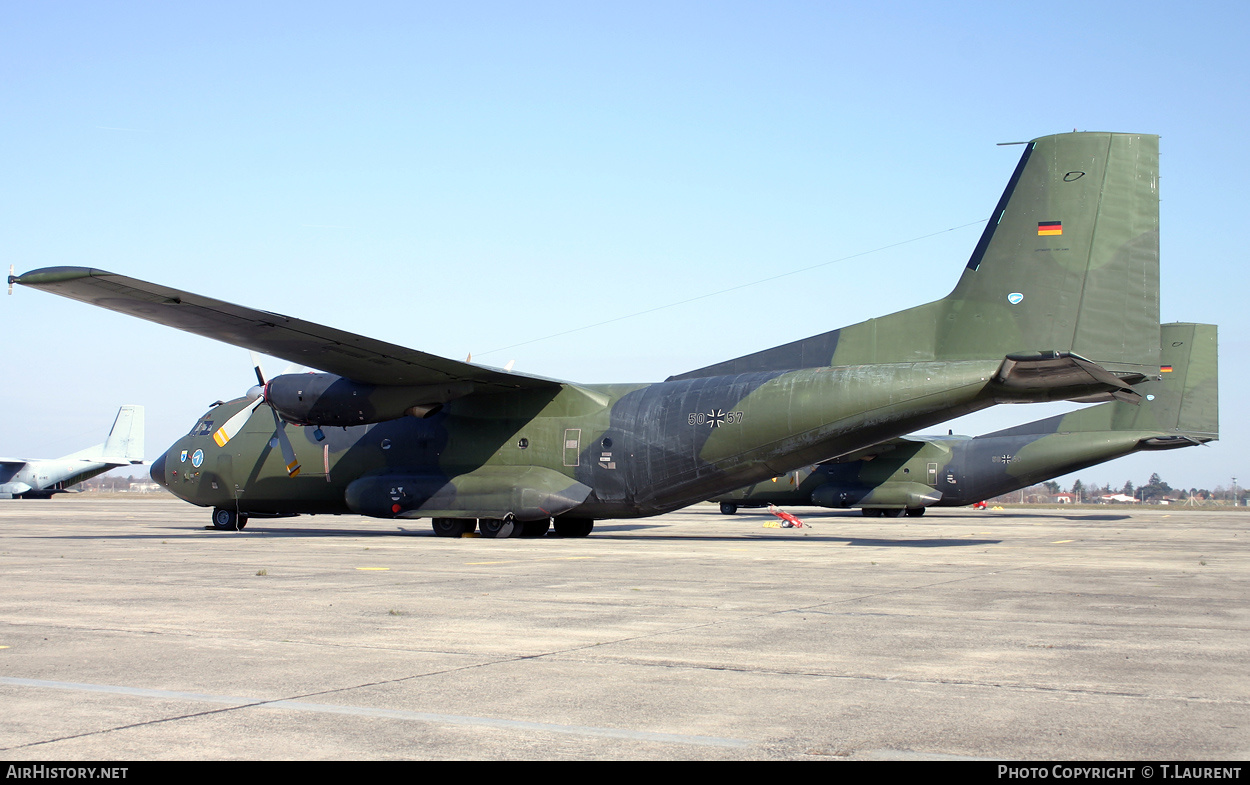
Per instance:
(1181,409)
(1059,300)
(40,478)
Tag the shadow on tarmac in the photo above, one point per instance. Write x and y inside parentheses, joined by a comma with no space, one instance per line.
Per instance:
(601,532)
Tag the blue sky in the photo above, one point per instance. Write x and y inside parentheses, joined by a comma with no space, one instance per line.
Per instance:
(468,177)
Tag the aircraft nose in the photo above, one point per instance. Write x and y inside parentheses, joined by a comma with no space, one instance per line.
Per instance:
(158,470)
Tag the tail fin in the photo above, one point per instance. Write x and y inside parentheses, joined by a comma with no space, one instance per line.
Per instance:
(125,440)
(1180,401)
(124,443)
(1069,262)
(1183,397)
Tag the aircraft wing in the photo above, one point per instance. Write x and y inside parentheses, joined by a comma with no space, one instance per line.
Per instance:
(346,354)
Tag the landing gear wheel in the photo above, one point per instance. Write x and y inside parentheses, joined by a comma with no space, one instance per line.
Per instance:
(535,528)
(892,513)
(453,527)
(574,527)
(228,520)
(728,508)
(915,512)
(870,512)
(498,528)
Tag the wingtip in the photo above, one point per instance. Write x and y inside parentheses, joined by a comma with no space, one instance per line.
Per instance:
(50,275)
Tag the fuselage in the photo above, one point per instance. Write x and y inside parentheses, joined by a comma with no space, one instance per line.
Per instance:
(947,471)
(42,478)
(640,449)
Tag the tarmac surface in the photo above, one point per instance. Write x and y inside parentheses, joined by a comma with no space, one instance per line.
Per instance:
(129,632)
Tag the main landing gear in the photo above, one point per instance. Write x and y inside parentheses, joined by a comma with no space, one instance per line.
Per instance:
(892,512)
(498,528)
(882,512)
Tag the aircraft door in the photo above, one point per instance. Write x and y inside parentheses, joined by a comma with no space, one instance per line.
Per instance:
(931,476)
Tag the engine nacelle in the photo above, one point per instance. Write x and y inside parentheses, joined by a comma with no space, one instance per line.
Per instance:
(326,399)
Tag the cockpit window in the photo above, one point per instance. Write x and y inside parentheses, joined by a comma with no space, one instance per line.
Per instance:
(202,428)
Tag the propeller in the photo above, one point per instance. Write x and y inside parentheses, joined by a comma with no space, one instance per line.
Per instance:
(230,428)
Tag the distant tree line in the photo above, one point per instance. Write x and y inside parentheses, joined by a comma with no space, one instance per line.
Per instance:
(1155,490)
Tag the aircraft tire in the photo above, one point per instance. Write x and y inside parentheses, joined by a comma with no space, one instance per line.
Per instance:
(498,528)
(869,512)
(535,528)
(574,527)
(228,520)
(915,512)
(892,512)
(453,527)
(728,508)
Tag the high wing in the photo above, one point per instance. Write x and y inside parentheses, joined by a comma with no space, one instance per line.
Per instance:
(346,354)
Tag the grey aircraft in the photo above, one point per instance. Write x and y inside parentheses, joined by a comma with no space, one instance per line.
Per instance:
(40,478)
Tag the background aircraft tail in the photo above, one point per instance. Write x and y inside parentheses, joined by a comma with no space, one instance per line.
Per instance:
(1186,395)
(1180,401)
(1068,262)
(124,443)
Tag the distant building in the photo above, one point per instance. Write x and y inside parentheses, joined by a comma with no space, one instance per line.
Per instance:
(1120,498)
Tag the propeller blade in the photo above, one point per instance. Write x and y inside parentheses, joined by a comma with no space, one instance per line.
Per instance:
(284,442)
(260,372)
(235,424)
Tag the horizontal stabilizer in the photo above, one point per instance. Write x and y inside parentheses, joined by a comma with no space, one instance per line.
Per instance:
(1059,376)
(1181,398)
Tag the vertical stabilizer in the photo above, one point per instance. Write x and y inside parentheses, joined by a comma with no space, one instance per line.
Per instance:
(125,441)
(1068,262)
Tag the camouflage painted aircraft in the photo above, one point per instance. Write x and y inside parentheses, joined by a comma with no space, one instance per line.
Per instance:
(40,478)
(1059,300)
(1181,409)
